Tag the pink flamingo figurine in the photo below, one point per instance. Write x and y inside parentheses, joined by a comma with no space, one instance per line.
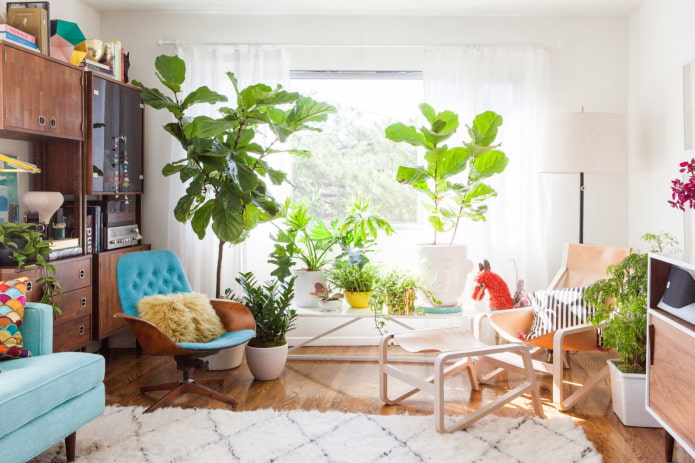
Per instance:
(486,280)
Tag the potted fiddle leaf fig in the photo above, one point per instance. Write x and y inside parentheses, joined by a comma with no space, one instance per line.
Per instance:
(226,166)
(453,182)
(270,303)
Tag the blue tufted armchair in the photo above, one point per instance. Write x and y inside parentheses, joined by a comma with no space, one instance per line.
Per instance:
(147,273)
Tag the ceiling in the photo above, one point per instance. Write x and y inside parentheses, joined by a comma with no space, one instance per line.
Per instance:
(379,7)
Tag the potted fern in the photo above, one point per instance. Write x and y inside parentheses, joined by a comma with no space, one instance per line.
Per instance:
(620,308)
(270,303)
(453,182)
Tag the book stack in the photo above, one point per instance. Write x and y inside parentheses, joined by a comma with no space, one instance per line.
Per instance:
(17,37)
(96,66)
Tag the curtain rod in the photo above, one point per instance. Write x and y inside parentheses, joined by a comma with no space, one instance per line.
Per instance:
(556,44)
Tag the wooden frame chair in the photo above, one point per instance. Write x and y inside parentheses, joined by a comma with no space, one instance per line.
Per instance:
(459,350)
(582,264)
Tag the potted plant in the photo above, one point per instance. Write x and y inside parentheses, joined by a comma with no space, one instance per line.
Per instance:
(299,242)
(270,303)
(226,166)
(22,245)
(357,281)
(329,300)
(453,181)
(620,308)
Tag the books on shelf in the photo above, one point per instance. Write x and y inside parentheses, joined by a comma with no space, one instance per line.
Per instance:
(96,227)
(18,41)
(64,243)
(101,68)
(19,33)
(114,57)
(65,252)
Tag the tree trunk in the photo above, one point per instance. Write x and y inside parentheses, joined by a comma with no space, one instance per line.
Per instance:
(220,253)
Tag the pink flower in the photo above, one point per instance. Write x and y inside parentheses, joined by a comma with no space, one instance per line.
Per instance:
(683,194)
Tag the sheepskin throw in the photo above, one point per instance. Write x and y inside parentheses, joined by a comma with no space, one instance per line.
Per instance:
(184,317)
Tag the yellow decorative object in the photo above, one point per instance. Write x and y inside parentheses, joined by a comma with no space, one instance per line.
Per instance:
(79,53)
(358,300)
(19,166)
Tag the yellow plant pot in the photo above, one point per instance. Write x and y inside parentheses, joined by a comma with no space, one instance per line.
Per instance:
(358,300)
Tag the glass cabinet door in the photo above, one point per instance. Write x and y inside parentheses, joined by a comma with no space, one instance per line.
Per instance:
(116,147)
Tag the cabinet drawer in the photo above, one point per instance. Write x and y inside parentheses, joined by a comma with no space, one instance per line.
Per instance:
(74,274)
(72,334)
(672,375)
(75,304)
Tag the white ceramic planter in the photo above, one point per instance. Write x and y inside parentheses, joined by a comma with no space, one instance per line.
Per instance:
(304,284)
(331,306)
(629,391)
(226,359)
(266,363)
(443,270)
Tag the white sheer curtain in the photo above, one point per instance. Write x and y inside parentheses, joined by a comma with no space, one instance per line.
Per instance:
(512,82)
(208,65)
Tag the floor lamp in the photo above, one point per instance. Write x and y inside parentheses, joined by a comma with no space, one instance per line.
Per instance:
(585,142)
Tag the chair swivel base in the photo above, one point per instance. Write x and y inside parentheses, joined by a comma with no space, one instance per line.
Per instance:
(187,386)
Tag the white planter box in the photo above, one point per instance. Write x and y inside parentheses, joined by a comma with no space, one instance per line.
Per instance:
(629,398)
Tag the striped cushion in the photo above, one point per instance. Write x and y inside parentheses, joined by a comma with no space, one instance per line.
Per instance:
(556,309)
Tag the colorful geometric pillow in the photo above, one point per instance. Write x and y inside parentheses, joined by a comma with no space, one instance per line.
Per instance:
(12,301)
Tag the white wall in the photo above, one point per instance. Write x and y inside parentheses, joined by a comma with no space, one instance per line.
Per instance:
(662,40)
(589,68)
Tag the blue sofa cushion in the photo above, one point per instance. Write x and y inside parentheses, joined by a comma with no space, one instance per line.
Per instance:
(13,298)
(31,387)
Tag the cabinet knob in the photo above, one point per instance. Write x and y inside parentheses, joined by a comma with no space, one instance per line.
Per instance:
(42,120)
(53,123)
(82,330)
(83,302)
(30,286)
(82,273)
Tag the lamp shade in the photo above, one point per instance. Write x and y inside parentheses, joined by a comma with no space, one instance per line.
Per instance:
(46,203)
(585,142)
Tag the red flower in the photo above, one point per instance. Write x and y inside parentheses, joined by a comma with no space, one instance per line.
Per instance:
(683,194)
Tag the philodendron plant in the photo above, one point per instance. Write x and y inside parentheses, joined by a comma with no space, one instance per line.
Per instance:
(225,168)
(452,178)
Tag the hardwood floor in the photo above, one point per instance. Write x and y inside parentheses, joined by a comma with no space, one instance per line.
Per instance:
(353,387)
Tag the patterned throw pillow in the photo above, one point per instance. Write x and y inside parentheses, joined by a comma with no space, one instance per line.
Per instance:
(556,309)
(12,301)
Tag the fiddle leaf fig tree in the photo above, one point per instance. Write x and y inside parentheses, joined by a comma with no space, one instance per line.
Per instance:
(226,166)
(452,178)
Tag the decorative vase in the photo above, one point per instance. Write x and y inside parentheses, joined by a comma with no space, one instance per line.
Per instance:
(443,270)
(266,363)
(629,392)
(689,235)
(331,306)
(358,300)
(304,285)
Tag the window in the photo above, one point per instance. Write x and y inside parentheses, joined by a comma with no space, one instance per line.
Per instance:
(351,156)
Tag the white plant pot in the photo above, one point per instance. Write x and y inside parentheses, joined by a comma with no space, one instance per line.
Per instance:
(629,391)
(304,284)
(443,270)
(226,359)
(266,363)
(331,306)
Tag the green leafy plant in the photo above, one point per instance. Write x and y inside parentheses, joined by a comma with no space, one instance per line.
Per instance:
(620,303)
(299,241)
(452,178)
(270,303)
(25,246)
(353,277)
(226,166)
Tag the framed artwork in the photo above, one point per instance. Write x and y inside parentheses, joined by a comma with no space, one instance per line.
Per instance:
(9,196)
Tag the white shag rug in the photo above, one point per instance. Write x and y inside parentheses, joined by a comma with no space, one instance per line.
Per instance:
(125,434)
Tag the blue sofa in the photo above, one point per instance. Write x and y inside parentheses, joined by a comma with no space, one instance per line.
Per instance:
(46,397)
